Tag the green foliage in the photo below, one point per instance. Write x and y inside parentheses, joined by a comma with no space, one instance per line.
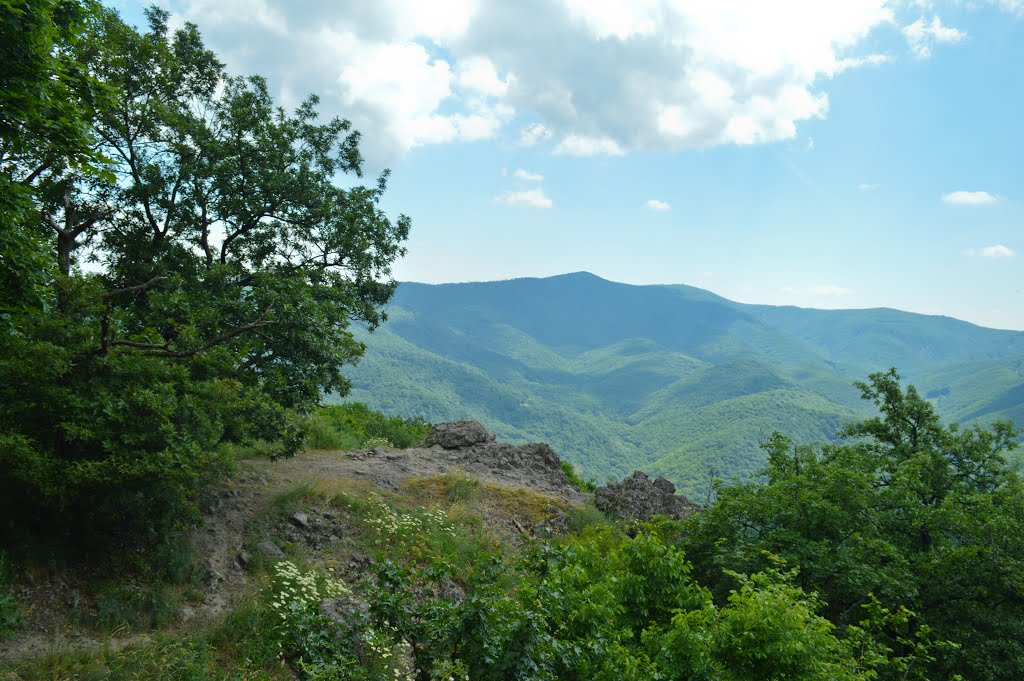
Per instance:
(166,658)
(120,388)
(906,515)
(576,480)
(460,487)
(9,615)
(355,421)
(132,606)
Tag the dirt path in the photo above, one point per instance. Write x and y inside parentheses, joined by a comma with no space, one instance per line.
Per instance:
(219,541)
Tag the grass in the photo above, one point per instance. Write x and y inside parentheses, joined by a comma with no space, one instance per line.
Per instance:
(9,615)
(202,657)
(460,487)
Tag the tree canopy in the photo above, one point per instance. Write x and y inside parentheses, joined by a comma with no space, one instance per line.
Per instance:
(905,513)
(181,261)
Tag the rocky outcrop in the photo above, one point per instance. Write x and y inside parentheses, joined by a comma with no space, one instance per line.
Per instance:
(457,434)
(638,498)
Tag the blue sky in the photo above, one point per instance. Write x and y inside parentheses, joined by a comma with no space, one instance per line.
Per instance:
(859,153)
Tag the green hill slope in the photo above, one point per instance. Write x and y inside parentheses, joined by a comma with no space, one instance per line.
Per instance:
(670,378)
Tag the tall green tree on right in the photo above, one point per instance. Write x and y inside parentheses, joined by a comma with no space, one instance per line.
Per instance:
(906,512)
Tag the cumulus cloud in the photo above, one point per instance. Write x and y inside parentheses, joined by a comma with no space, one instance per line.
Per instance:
(969,198)
(657,206)
(596,78)
(996,251)
(521,174)
(532,134)
(828,290)
(578,145)
(868,187)
(921,36)
(875,59)
(532,198)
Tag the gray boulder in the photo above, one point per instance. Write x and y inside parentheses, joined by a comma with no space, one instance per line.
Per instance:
(349,611)
(457,434)
(638,498)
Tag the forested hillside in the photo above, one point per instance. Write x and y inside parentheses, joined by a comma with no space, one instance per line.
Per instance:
(671,378)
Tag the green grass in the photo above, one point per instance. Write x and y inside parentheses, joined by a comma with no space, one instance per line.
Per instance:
(460,487)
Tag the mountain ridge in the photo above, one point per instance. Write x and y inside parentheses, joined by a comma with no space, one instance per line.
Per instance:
(669,377)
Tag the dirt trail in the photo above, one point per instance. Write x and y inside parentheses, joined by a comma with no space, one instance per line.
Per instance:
(237,504)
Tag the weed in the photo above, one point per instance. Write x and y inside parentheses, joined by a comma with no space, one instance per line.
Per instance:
(579,518)
(9,616)
(124,605)
(460,487)
(580,483)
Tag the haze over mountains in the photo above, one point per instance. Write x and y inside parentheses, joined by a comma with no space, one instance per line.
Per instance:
(673,379)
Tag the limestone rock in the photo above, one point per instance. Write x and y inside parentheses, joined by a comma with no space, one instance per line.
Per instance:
(348,611)
(457,434)
(637,498)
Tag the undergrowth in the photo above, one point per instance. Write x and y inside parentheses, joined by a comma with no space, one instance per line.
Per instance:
(576,480)
(9,615)
(353,425)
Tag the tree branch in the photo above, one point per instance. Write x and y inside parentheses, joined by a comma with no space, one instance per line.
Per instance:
(155,350)
(137,287)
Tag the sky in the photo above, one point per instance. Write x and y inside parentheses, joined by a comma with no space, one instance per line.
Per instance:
(820,153)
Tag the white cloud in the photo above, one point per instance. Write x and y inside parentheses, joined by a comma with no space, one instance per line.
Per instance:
(1012,6)
(477,74)
(969,198)
(868,187)
(921,36)
(810,144)
(532,198)
(597,76)
(578,145)
(532,134)
(829,290)
(521,174)
(996,251)
(848,63)
(657,206)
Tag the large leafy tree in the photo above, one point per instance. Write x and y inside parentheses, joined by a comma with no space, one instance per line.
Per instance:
(198,259)
(907,513)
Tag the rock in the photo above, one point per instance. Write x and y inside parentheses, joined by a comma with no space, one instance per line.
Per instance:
(664,485)
(301,519)
(211,578)
(457,434)
(348,611)
(244,559)
(637,498)
(269,548)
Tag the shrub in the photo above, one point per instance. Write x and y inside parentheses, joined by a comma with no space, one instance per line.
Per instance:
(582,484)
(9,616)
(460,487)
(361,422)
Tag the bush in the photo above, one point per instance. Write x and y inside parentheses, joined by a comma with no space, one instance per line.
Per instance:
(355,422)
(460,487)
(9,616)
(582,484)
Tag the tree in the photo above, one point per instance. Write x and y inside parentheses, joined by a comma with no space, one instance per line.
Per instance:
(225,263)
(907,513)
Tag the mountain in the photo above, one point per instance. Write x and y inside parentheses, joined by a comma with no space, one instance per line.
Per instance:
(673,379)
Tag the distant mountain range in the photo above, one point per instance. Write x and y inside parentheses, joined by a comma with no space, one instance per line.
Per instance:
(672,379)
